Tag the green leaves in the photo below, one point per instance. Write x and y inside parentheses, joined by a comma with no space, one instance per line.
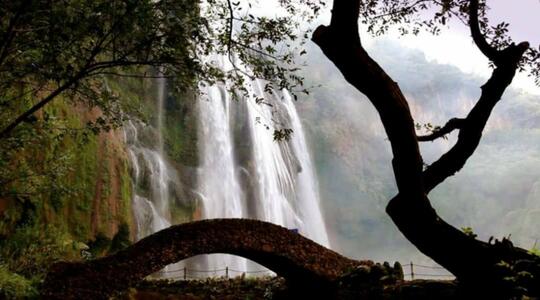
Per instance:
(66,47)
(50,48)
(469,232)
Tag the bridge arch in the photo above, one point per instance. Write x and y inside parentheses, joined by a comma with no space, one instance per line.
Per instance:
(288,254)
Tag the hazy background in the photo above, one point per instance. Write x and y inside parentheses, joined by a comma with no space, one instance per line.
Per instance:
(497,193)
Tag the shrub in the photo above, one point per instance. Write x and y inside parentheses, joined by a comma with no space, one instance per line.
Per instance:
(14,286)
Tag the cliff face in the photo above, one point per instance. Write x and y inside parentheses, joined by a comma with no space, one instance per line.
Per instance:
(85,185)
(66,189)
(77,182)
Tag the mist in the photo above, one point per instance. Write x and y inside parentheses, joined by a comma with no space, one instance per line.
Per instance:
(497,193)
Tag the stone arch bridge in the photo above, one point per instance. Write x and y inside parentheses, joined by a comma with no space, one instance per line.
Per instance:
(298,259)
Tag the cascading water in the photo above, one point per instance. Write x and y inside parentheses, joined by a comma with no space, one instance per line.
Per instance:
(151,174)
(307,200)
(221,194)
(271,181)
(242,173)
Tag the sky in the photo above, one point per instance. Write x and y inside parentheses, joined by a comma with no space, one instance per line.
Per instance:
(455,47)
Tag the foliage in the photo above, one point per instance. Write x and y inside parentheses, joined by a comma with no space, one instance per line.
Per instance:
(32,249)
(28,253)
(282,134)
(241,287)
(469,232)
(25,169)
(67,47)
(14,286)
(35,165)
(99,245)
(50,173)
(82,53)
(429,128)
(180,127)
(73,49)
(535,251)
(516,281)
(102,245)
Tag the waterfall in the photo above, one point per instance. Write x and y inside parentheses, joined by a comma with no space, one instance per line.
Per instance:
(307,201)
(245,173)
(242,171)
(220,190)
(151,175)
(150,181)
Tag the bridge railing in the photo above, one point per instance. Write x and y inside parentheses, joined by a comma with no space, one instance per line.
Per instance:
(414,271)
(411,271)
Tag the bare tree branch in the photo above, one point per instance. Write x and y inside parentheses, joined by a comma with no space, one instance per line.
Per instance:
(451,125)
(473,125)
(477,36)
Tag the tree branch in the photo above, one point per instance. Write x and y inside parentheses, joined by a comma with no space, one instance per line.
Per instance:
(475,122)
(83,72)
(478,38)
(22,117)
(116,74)
(451,125)
(399,11)
(257,51)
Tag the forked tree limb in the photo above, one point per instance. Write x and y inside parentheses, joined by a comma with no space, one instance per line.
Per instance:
(506,62)
(342,46)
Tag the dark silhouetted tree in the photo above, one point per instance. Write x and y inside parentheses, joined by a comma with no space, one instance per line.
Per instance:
(474,262)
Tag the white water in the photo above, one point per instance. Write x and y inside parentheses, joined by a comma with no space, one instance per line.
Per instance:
(218,186)
(307,191)
(279,183)
(243,172)
(148,169)
(151,174)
